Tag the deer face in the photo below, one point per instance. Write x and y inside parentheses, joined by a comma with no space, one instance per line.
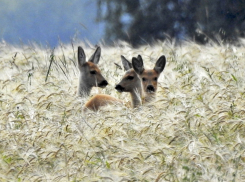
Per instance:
(149,81)
(90,74)
(149,77)
(129,82)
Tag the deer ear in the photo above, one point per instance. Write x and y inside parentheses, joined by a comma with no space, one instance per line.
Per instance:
(126,64)
(96,56)
(140,58)
(81,56)
(138,65)
(160,64)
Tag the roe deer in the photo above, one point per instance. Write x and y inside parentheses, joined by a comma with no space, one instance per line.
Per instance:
(90,74)
(130,83)
(149,76)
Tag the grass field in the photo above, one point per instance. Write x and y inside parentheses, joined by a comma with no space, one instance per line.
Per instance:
(194,131)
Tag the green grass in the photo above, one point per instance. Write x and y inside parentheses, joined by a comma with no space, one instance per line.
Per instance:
(194,131)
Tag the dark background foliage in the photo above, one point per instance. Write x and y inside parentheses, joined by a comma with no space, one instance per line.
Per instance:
(147,21)
(135,21)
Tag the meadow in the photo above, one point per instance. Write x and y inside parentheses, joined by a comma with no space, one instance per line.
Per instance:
(194,131)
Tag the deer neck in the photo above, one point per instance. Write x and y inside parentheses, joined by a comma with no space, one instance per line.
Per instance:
(136,96)
(149,97)
(84,88)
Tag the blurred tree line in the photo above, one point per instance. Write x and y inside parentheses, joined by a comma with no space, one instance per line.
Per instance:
(144,21)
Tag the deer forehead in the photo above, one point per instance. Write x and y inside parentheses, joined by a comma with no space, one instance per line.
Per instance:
(92,66)
(149,74)
(130,72)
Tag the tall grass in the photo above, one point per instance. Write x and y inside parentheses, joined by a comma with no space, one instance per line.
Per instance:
(194,131)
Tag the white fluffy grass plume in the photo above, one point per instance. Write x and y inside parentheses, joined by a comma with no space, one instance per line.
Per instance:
(194,131)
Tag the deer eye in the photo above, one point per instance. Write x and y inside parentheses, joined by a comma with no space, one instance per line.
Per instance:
(130,78)
(155,79)
(144,79)
(93,72)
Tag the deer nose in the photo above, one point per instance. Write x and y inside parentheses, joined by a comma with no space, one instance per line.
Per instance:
(103,83)
(150,88)
(119,88)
